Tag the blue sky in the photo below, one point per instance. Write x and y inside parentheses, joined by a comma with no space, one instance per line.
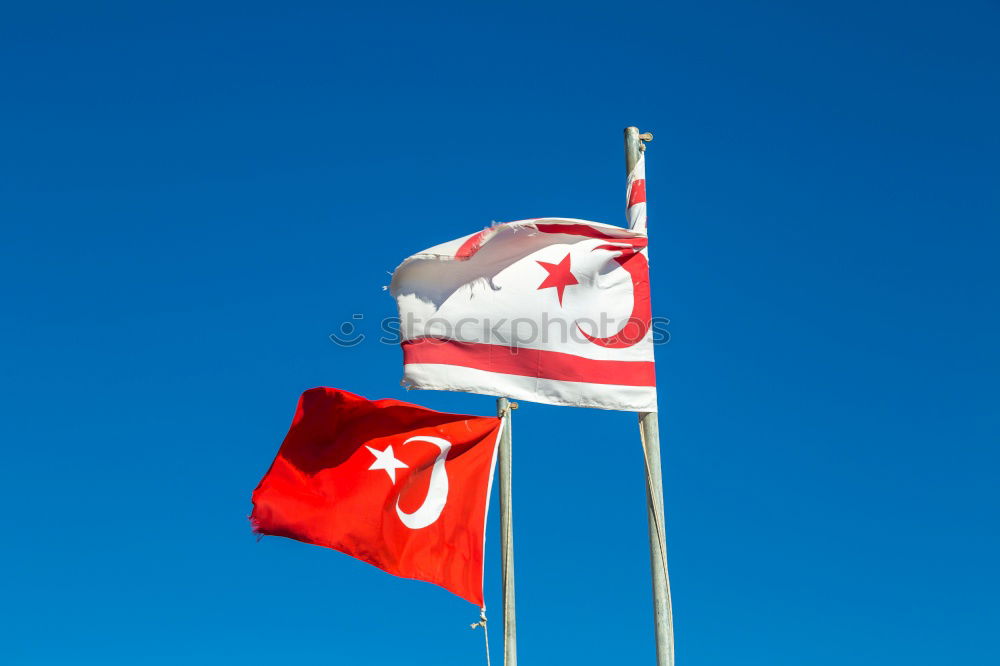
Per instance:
(195,195)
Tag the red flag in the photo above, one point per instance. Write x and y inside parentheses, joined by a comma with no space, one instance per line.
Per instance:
(401,487)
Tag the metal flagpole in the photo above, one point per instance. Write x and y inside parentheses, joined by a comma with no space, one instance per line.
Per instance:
(650,434)
(504,407)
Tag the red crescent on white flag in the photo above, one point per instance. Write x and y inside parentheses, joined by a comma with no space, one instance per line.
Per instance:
(634,330)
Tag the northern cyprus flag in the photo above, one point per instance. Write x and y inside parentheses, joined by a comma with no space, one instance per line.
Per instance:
(551,310)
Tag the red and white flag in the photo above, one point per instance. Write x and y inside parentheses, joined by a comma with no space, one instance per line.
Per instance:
(399,486)
(635,195)
(551,310)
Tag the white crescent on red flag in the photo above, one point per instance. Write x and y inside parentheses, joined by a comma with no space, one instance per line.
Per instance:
(552,310)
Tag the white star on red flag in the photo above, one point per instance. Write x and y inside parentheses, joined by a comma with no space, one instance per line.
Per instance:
(386,460)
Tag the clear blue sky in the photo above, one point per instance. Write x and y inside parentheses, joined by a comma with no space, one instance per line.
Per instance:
(195,195)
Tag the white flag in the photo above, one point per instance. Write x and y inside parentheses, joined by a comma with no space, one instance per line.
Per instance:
(551,310)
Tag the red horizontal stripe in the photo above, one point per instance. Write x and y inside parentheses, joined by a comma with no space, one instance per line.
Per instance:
(528,362)
(472,244)
(589,232)
(637,193)
(475,241)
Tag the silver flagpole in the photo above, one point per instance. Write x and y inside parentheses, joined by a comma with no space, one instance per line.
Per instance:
(504,407)
(649,430)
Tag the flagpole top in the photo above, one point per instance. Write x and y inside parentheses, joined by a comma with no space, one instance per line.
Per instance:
(635,144)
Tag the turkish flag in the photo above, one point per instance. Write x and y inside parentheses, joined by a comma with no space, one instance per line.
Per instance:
(399,486)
